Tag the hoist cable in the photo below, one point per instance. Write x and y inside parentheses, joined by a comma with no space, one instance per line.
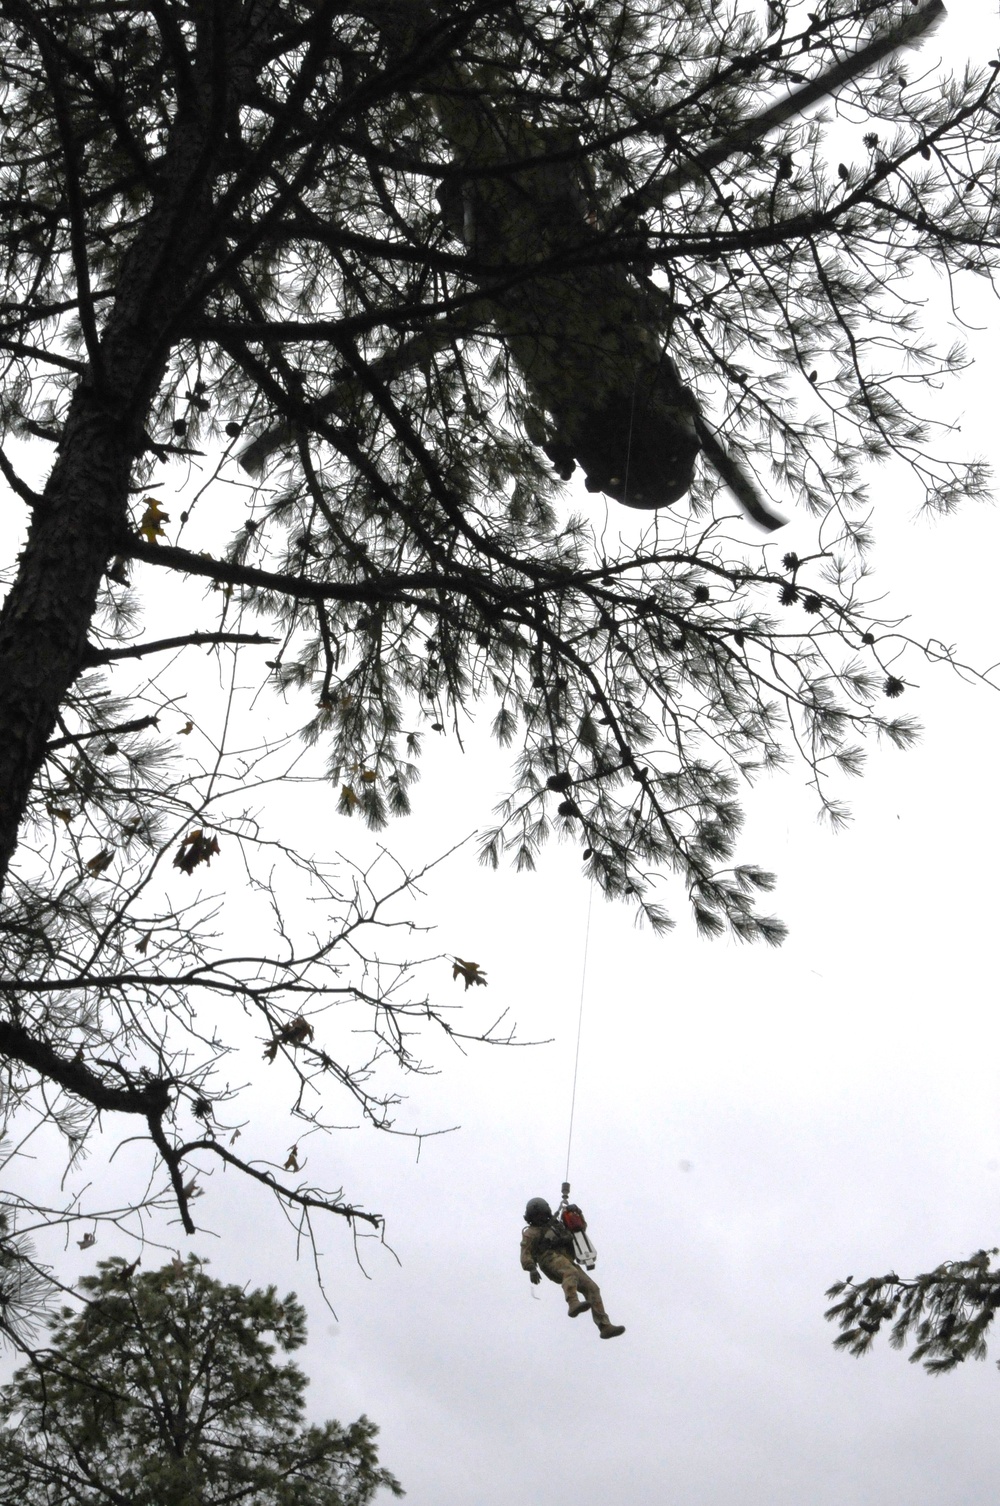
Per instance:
(590,897)
(579,1030)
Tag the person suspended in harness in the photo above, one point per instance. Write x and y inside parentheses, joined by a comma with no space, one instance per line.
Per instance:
(547,1246)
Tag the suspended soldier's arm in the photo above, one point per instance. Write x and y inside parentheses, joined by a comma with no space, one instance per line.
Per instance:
(908,32)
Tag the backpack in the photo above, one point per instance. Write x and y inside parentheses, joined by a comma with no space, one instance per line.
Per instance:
(575,1225)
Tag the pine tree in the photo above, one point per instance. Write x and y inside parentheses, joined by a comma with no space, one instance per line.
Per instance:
(165,1390)
(316,304)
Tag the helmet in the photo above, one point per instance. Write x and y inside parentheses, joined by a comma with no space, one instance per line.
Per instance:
(537,1211)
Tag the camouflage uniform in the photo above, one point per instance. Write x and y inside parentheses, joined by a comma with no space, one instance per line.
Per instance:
(555,1261)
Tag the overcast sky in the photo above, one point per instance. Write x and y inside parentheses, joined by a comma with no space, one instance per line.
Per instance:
(751,1125)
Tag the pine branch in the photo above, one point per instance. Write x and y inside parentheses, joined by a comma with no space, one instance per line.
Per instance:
(151,1099)
(140,724)
(162,645)
(946,1312)
(906,33)
(13,480)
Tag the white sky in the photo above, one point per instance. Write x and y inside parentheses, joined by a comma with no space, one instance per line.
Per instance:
(751,1125)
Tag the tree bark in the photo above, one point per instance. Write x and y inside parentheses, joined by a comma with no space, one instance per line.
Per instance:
(83,512)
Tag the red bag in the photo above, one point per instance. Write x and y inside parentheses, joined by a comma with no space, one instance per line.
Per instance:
(574,1219)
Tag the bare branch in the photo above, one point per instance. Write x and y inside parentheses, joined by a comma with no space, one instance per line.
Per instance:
(164,645)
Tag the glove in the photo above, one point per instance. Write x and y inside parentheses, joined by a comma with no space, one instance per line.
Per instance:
(535,1278)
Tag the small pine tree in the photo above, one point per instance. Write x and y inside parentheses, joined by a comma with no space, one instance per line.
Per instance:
(164,1390)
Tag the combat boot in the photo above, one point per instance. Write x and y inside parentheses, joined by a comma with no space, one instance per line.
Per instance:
(610,1330)
(578,1307)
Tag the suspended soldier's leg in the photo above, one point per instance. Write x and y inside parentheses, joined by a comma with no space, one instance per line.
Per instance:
(568,1274)
(591,1292)
(581,1301)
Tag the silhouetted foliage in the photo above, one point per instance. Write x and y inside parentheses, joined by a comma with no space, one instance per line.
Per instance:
(314,305)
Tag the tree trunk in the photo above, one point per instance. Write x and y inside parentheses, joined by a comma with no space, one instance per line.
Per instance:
(83,513)
(45,618)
